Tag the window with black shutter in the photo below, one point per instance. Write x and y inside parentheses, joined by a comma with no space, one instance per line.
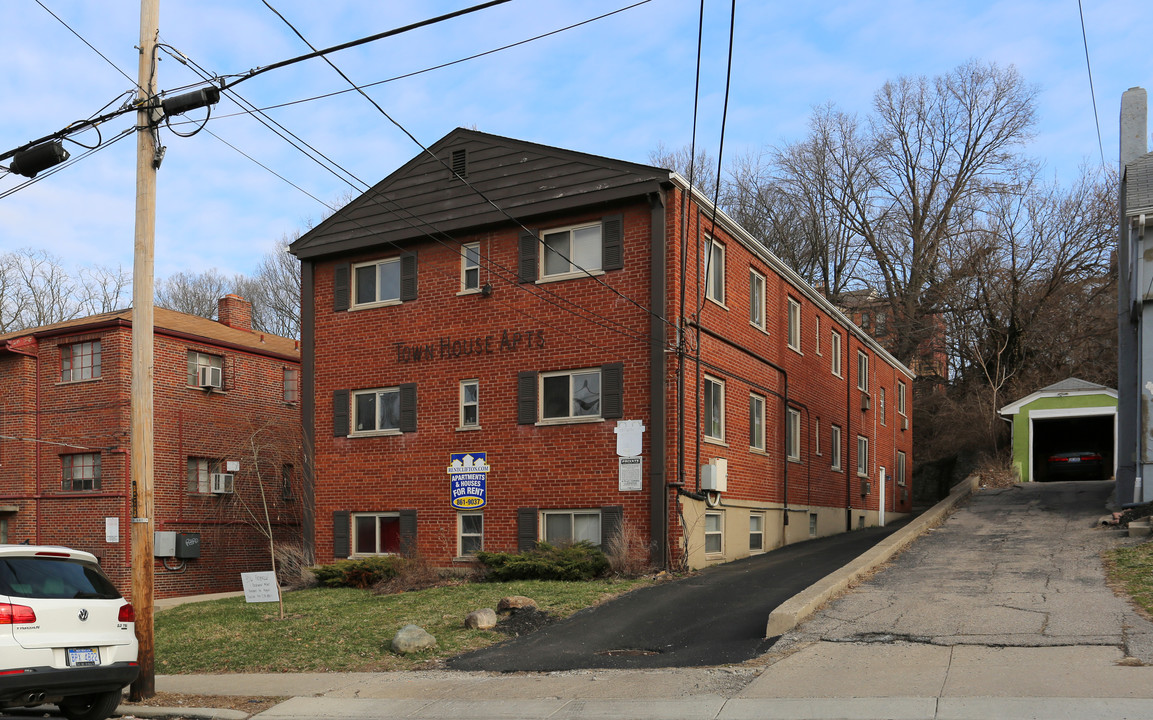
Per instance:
(525,529)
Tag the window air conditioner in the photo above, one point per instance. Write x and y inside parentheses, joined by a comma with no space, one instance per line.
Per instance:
(208,377)
(865,401)
(866,487)
(222,483)
(904,423)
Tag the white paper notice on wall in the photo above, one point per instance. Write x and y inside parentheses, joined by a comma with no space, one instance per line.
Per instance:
(111,529)
(232,466)
(630,476)
(260,587)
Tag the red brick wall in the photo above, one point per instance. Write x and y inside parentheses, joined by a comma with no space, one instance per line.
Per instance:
(584,322)
(248,420)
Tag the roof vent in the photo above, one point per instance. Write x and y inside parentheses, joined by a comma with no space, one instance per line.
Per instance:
(460,163)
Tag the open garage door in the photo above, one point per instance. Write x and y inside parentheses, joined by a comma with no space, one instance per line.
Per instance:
(1093,433)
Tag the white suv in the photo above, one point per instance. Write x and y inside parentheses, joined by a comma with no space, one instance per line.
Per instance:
(66,635)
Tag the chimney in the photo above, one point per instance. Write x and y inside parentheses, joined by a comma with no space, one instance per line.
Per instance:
(235,312)
(1134,125)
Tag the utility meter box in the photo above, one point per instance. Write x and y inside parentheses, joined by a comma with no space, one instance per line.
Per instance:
(164,543)
(187,545)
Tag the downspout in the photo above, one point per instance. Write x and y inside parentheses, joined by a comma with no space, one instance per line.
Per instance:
(848,439)
(37,494)
(308,405)
(658,302)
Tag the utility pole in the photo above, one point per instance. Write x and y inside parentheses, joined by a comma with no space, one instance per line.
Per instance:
(147,157)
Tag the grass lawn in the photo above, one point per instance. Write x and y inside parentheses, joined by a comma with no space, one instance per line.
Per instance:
(1131,569)
(346,630)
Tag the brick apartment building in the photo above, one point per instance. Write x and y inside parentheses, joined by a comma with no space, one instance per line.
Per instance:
(505,342)
(227,418)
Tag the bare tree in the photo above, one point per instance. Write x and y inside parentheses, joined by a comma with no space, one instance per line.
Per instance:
(275,291)
(701,170)
(934,156)
(35,290)
(105,289)
(193,293)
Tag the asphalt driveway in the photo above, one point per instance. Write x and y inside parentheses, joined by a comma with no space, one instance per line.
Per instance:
(713,617)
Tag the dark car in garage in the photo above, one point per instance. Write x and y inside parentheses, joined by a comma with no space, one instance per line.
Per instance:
(1076,465)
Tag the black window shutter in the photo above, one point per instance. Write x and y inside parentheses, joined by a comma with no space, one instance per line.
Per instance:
(526,398)
(611,518)
(339,413)
(408,533)
(612,390)
(340,547)
(408,276)
(525,529)
(612,242)
(528,257)
(341,287)
(408,407)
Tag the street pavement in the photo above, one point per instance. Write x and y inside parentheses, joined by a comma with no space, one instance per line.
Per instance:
(999,612)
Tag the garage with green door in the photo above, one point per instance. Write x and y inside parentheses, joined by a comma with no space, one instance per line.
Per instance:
(1066,431)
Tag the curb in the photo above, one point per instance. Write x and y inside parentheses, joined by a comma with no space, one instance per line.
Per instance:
(801,606)
(151,711)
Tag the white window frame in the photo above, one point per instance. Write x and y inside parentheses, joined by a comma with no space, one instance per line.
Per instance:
(572,514)
(461,534)
(835,447)
(817,336)
(757,299)
(793,435)
(714,258)
(717,534)
(901,397)
(817,436)
(902,468)
(354,536)
(465,404)
(881,404)
(813,524)
(88,352)
(354,416)
(862,456)
(576,267)
(197,360)
(757,422)
(571,375)
(378,301)
(862,371)
(794,325)
(707,420)
(757,518)
(470,268)
(835,353)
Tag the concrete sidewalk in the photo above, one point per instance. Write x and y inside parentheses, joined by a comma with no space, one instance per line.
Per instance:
(914,642)
(821,680)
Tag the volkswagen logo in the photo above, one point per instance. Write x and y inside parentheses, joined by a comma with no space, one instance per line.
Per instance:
(83,615)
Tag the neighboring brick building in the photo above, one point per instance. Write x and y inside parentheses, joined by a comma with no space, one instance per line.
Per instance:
(870,311)
(441,323)
(222,393)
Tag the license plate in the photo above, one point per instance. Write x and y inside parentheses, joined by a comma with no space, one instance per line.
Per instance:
(1074,459)
(81,657)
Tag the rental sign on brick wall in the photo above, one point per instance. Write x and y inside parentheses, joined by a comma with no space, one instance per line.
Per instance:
(467,475)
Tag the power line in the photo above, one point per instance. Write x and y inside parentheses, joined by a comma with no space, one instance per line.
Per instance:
(114,67)
(451,62)
(465,180)
(371,38)
(1092,93)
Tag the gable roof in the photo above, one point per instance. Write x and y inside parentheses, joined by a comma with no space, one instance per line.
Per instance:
(424,197)
(192,327)
(1139,185)
(1068,386)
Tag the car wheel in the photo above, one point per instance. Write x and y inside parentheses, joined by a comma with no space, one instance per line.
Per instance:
(98,706)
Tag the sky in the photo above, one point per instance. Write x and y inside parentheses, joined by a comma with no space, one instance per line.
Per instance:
(620,87)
